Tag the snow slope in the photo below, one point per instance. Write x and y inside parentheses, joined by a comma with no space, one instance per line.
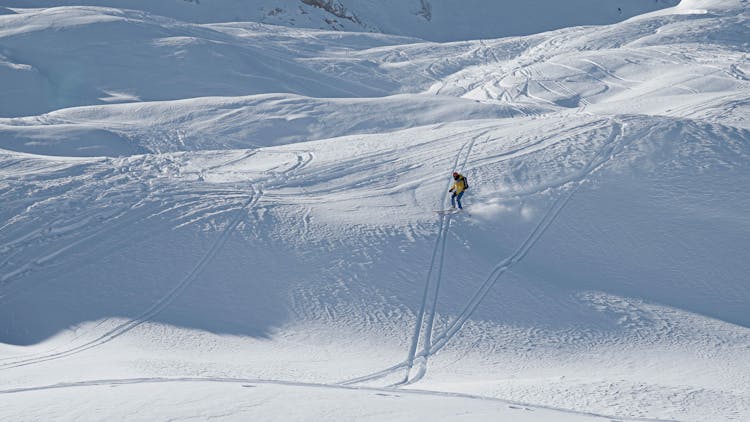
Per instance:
(239,216)
(436,20)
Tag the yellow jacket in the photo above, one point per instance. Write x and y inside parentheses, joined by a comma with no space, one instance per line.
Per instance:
(459,185)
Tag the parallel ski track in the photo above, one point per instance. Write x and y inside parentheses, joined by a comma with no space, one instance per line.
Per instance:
(600,159)
(427,342)
(605,154)
(420,315)
(440,244)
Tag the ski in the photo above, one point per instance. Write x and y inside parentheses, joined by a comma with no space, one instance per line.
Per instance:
(448,211)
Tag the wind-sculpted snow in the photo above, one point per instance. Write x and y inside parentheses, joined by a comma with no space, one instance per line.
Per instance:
(232,122)
(236,212)
(437,20)
(92,61)
(191,228)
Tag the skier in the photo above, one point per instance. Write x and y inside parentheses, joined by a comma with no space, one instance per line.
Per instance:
(459,187)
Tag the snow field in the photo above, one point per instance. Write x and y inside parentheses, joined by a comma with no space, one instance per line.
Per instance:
(245,226)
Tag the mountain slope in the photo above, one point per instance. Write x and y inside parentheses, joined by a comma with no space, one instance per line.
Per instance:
(251,227)
(436,20)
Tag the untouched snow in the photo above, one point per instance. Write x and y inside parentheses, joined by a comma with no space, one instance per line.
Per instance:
(236,220)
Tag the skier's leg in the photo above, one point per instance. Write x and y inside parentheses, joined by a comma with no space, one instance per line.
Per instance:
(453,200)
(458,199)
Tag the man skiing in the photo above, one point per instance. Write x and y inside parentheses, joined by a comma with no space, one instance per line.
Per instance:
(459,187)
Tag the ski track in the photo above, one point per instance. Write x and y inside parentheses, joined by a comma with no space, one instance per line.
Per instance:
(193,205)
(440,244)
(115,219)
(244,156)
(157,307)
(605,154)
(120,218)
(303,159)
(228,380)
(433,309)
(29,266)
(420,315)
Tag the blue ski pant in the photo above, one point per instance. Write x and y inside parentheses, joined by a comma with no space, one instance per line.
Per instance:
(457,198)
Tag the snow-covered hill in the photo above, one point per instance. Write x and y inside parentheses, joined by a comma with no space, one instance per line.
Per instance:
(220,219)
(436,20)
